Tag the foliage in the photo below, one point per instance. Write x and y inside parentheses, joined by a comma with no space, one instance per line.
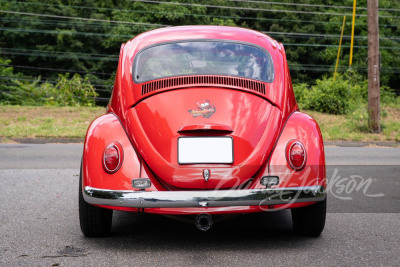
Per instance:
(5,71)
(329,96)
(349,95)
(75,91)
(87,36)
(300,91)
(6,75)
(389,97)
(342,96)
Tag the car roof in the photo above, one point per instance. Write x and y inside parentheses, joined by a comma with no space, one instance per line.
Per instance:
(169,34)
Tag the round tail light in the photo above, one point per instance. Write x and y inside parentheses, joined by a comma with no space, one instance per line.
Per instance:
(296,155)
(112,157)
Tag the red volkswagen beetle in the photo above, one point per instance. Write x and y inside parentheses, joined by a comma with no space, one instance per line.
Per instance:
(202,121)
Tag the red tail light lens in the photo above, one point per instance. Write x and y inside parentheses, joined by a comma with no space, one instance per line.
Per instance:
(296,155)
(112,157)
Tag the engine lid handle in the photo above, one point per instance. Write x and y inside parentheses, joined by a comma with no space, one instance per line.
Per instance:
(212,127)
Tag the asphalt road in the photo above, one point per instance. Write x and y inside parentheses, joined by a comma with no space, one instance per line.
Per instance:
(39,219)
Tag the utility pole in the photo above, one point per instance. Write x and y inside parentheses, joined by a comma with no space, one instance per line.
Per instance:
(373,67)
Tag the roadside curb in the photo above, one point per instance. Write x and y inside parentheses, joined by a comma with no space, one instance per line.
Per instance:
(43,140)
(361,144)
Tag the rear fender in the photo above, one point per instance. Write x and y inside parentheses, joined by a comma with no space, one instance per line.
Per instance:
(305,129)
(103,131)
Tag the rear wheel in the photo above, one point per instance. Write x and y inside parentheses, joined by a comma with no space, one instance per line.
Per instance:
(94,221)
(309,220)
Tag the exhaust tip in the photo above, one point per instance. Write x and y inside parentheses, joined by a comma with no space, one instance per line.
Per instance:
(203,222)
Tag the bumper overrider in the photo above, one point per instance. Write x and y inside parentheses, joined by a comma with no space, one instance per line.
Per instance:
(211,198)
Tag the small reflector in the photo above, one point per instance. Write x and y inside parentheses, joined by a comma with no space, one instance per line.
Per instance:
(269,181)
(141,183)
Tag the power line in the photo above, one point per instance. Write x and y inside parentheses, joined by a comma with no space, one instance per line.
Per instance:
(96,98)
(309,5)
(57,52)
(67,32)
(130,36)
(241,8)
(388,69)
(293,4)
(292,67)
(335,36)
(59,56)
(32,53)
(116,35)
(51,82)
(203,15)
(255,9)
(91,8)
(87,19)
(288,34)
(347,46)
(80,18)
(390,9)
(90,56)
(314,67)
(51,69)
(240,1)
(233,17)
(182,14)
(159,25)
(45,53)
(66,23)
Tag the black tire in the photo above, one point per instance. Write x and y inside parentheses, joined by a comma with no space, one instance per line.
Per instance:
(309,220)
(94,221)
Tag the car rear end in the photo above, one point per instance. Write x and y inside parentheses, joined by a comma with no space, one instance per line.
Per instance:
(203,125)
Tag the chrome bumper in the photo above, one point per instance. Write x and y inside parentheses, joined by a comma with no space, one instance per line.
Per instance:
(213,198)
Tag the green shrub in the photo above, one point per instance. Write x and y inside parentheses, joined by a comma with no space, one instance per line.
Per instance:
(22,92)
(300,90)
(75,91)
(334,97)
(5,71)
(7,78)
(326,96)
(389,97)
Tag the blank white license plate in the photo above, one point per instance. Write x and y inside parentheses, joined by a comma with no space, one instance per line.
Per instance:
(192,150)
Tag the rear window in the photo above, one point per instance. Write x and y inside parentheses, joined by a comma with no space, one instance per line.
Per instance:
(203,58)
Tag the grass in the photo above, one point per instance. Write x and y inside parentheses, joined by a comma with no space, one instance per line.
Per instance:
(72,122)
(354,126)
(46,122)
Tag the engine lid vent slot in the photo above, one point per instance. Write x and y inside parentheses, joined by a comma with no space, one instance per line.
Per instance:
(203,80)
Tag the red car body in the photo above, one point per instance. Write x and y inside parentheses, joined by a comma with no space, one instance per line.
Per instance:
(256,121)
